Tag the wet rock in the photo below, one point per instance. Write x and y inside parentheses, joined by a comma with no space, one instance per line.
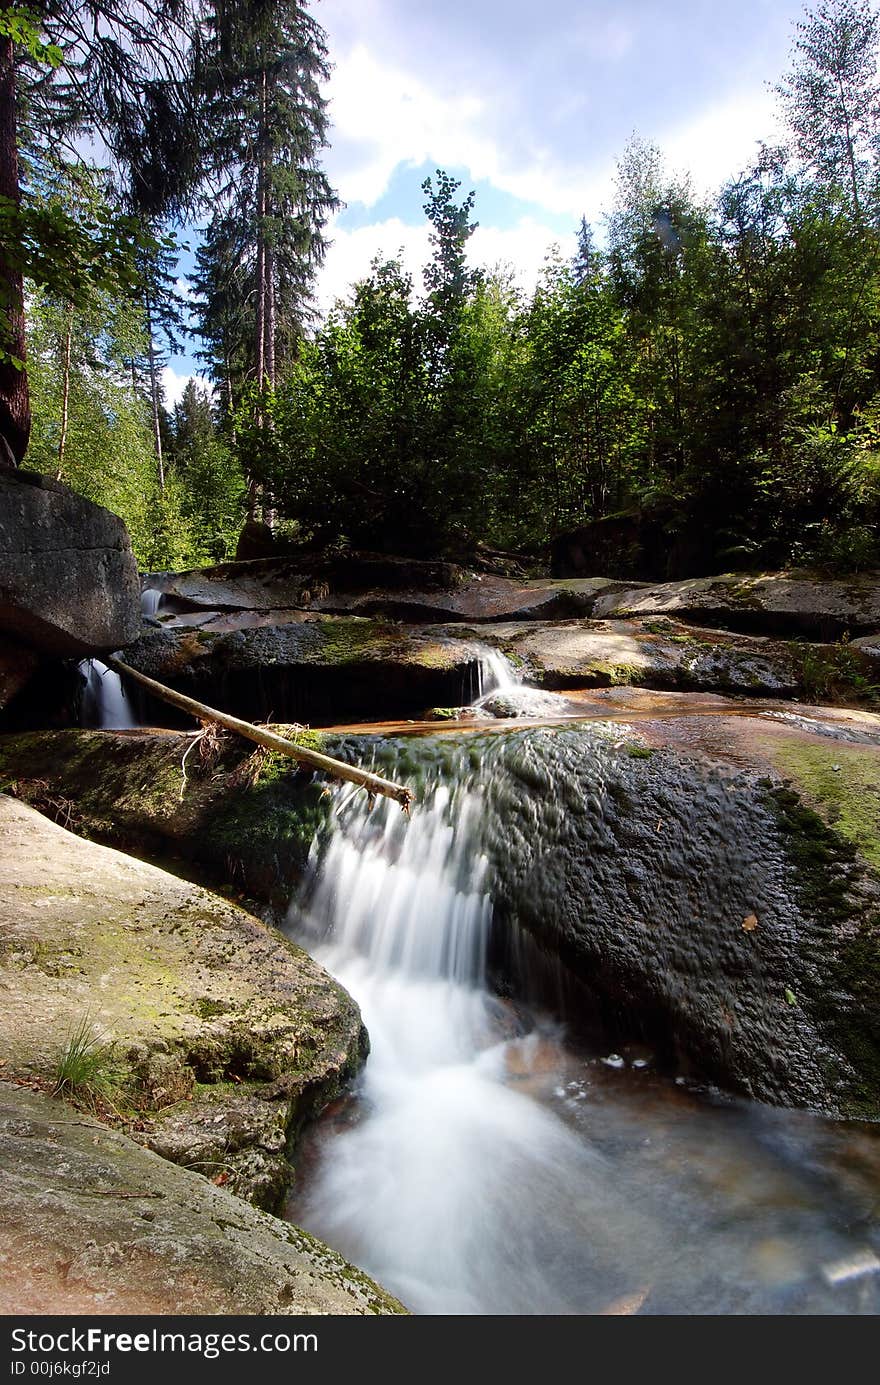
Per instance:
(226,1037)
(583,654)
(776,603)
(320,670)
(243,813)
(95,1223)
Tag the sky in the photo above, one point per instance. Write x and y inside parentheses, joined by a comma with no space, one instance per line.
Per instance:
(530,105)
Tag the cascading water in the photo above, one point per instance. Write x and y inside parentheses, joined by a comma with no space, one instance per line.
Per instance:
(501,691)
(486,1167)
(105,703)
(151,600)
(453,1179)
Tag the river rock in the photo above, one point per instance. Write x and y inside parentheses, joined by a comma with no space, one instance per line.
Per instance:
(317,670)
(403,589)
(69,584)
(226,1036)
(585,654)
(96,1224)
(774,603)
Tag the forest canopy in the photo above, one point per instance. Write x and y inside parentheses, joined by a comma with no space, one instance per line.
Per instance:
(704,367)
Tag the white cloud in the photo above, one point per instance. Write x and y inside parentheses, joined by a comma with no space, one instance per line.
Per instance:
(384,117)
(523,247)
(174,384)
(723,140)
(351,253)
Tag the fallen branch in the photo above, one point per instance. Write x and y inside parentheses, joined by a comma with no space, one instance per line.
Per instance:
(373,783)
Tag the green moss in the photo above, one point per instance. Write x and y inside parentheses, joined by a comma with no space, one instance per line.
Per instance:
(842,782)
(616,675)
(846,999)
(639,752)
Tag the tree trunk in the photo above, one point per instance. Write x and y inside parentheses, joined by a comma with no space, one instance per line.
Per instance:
(261,240)
(65,390)
(15,412)
(154,398)
(270,318)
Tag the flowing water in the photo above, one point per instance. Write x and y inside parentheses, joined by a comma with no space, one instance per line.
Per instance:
(151,600)
(487,1164)
(105,703)
(502,692)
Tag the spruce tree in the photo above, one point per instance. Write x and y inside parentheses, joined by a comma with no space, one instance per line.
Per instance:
(261,65)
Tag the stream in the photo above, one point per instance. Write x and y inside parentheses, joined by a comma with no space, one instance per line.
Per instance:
(490,1163)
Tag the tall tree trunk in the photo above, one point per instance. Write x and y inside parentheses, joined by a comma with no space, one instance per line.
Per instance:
(271,326)
(154,397)
(261,239)
(15,411)
(65,390)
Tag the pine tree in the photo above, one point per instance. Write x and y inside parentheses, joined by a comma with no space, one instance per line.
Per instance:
(260,68)
(107,68)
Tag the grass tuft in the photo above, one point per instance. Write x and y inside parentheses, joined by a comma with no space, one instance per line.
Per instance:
(87,1071)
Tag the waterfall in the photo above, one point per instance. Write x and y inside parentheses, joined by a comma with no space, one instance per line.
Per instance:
(105,703)
(485,1164)
(453,1181)
(502,692)
(151,600)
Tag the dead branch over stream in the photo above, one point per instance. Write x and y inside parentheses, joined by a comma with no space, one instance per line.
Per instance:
(373,783)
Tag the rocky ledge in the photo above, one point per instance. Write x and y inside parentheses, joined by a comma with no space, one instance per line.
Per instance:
(95,1223)
(219,1036)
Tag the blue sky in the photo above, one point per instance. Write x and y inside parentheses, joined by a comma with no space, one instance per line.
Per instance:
(531,105)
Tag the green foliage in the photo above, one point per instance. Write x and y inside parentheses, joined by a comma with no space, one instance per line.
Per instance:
(22,26)
(258,74)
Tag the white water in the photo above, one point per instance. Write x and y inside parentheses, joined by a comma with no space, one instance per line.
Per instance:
(105,703)
(453,1181)
(483,1170)
(500,686)
(151,600)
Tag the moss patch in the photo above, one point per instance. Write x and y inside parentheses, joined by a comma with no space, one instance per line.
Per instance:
(842,783)
(846,998)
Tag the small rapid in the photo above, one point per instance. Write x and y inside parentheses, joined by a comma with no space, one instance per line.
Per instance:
(501,691)
(487,1165)
(105,703)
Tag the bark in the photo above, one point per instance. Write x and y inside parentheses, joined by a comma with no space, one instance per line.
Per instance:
(337,769)
(261,241)
(65,390)
(154,398)
(270,318)
(15,413)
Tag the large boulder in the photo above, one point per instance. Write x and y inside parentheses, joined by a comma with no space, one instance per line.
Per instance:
(225,1036)
(772,603)
(69,584)
(316,670)
(94,1223)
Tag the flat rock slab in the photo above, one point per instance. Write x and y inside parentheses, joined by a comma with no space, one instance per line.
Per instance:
(365,585)
(94,1223)
(321,669)
(580,654)
(775,603)
(226,1035)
